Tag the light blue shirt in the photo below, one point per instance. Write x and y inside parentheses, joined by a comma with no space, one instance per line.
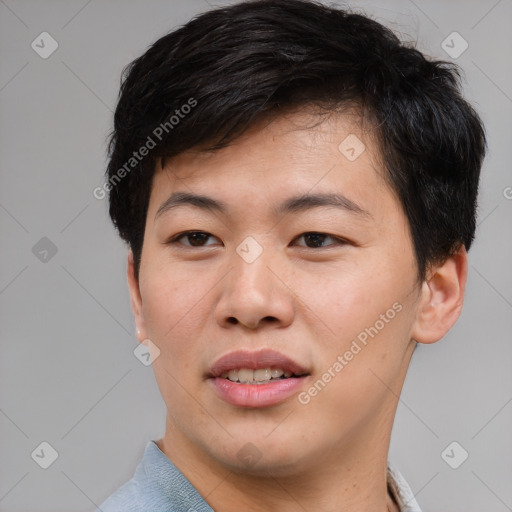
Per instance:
(159,486)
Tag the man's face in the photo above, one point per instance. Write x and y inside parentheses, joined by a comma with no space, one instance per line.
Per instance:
(272,280)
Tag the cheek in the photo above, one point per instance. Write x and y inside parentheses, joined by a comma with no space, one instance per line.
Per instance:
(347,302)
(364,316)
(174,307)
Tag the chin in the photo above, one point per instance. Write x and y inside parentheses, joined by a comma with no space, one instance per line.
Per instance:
(259,457)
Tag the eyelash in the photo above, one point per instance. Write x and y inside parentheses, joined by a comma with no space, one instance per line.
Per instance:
(338,241)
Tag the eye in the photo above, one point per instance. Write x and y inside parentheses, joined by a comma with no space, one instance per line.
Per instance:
(316,240)
(312,240)
(194,238)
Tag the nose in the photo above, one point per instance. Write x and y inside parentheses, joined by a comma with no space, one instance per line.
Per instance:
(255,294)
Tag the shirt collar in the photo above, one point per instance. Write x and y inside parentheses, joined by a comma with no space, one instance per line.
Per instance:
(401,491)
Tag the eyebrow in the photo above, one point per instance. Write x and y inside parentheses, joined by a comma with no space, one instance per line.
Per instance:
(293,204)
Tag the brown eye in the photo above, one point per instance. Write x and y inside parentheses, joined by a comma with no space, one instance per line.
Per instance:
(316,240)
(193,239)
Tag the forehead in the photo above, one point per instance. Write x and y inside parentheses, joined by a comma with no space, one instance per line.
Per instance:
(294,154)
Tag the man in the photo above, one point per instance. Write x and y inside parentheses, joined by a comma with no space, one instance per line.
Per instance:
(298,191)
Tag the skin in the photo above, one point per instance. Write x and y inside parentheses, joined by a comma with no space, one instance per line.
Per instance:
(197,303)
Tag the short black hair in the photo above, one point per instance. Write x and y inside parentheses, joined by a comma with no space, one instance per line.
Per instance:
(205,83)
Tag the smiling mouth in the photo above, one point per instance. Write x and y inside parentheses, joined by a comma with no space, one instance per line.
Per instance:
(259,376)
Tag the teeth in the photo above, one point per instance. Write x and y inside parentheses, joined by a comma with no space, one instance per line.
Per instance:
(262,375)
(276,373)
(245,375)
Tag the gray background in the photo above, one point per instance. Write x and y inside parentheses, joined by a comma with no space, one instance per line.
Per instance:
(67,369)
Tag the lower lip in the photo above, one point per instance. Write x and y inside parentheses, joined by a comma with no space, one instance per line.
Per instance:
(257,395)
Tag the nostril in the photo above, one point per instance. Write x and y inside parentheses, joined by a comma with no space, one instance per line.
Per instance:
(234,321)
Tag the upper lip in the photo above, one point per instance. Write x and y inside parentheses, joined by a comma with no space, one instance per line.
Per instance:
(255,360)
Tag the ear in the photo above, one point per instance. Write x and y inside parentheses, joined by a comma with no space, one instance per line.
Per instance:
(135,299)
(442,296)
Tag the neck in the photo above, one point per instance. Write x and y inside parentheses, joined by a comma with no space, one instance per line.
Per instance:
(348,477)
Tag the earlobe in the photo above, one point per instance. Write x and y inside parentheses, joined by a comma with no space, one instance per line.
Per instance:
(441,300)
(135,299)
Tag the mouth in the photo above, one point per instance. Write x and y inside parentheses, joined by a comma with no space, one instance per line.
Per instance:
(259,376)
(256,379)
